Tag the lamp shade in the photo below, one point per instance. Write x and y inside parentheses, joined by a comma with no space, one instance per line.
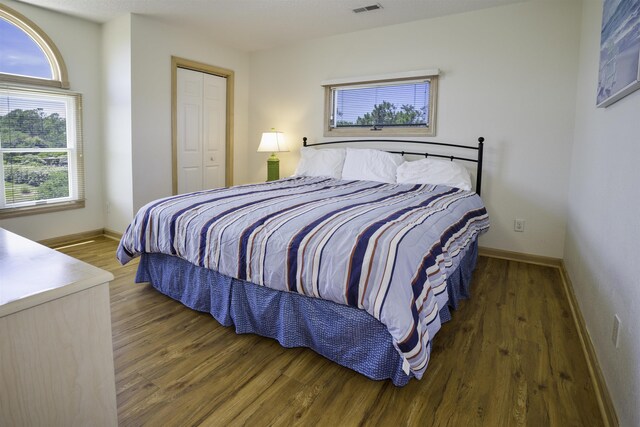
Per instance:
(272,142)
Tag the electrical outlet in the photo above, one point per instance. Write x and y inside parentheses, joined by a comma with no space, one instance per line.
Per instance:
(615,336)
(518,225)
(108,208)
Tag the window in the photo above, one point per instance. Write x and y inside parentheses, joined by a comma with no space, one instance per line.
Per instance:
(396,105)
(27,54)
(41,166)
(39,146)
(21,56)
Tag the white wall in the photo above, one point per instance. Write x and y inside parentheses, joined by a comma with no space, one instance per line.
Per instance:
(602,254)
(153,44)
(79,43)
(508,74)
(117,150)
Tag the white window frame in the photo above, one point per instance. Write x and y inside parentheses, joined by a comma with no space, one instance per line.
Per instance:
(331,87)
(42,88)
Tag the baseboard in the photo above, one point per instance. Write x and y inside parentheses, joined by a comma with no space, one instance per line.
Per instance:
(114,235)
(607,409)
(518,256)
(79,237)
(72,238)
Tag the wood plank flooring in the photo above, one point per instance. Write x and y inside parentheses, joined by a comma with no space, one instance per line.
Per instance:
(510,357)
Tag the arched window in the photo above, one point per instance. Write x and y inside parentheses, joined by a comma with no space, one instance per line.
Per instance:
(27,54)
(41,167)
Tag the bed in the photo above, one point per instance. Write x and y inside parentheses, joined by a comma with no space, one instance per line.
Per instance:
(361,271)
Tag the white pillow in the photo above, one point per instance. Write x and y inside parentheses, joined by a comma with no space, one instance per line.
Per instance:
(321,162)
(431,171)
(371,165)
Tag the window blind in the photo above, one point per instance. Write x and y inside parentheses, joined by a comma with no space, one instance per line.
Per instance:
(41,147)
(404,104)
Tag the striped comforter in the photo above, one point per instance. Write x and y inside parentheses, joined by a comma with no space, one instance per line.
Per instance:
(384,248)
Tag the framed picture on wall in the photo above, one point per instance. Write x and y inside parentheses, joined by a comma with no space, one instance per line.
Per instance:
(619,51)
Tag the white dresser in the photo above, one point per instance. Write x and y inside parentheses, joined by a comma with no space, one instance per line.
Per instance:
(56,355)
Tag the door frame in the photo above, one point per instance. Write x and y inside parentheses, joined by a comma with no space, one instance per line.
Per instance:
(177,62)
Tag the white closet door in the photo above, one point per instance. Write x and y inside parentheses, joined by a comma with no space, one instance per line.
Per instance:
(189,133)
(201,132)
(214,126)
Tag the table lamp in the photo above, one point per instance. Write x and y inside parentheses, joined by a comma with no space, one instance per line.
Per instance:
(272,142)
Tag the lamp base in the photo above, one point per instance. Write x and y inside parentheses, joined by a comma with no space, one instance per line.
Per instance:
(273,168)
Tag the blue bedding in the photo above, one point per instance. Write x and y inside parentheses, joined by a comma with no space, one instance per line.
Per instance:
(387,249)
(348,336)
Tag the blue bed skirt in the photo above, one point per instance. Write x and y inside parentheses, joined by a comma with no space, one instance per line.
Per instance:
(346,335)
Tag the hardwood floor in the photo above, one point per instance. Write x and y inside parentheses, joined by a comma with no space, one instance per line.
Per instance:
(510,357)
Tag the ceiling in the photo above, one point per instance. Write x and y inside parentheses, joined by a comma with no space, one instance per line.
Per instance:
(252,25)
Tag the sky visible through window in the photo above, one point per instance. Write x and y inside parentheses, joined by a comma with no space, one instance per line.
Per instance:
(20,55)
(352,103)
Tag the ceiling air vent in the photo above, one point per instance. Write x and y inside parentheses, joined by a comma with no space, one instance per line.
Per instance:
(368,8)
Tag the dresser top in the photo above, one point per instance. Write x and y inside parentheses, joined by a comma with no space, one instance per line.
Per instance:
(32,274)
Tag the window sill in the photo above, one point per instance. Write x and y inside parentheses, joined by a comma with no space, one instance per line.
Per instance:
(35,210)
(389,131)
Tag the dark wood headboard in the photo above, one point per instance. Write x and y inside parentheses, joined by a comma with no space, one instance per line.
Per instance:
(478,160)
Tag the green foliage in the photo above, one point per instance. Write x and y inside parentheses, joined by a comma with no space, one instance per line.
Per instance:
(57,185)
(20,193)
(30,176)
(388,114)
(34,176)
(32,129)
(25,159)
